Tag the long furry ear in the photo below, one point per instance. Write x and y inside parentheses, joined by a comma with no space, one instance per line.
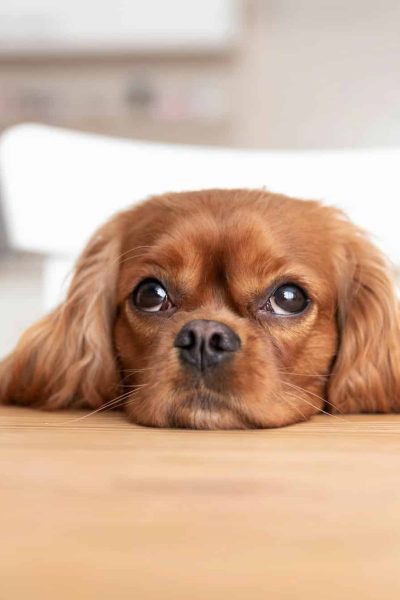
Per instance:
(67,358)
(366,373)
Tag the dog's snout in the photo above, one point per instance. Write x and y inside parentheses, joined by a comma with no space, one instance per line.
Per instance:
(204,344)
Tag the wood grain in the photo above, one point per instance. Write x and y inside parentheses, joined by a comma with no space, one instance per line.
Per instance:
(95,508)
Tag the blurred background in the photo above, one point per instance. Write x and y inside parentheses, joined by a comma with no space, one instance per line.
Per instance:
(254,73)
(272,74)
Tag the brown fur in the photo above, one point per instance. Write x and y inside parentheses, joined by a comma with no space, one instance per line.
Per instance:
(218,252)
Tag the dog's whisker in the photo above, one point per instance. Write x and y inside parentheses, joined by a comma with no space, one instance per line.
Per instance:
(137,386)
(120,400)
(130,251)
(316,375)
(321,410)
(130,257)
(130,372)
(324,400)
(302,399)
(293,405)
(103,407)
(137,370)
(134,371)
(134,396)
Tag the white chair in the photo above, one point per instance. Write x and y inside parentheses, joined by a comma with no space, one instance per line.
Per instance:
(57,186)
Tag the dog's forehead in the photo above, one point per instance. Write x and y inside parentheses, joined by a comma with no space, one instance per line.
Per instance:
(246,238)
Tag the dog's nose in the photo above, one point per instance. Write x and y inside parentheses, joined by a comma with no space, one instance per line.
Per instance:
(204,344)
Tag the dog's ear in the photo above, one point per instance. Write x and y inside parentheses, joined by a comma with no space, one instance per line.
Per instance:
(67,358)
(366,373)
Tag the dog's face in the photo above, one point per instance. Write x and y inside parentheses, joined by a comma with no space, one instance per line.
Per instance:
(226,311)
(220,309)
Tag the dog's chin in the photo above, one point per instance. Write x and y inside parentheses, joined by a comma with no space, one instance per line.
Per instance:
(194,411)
(204,411)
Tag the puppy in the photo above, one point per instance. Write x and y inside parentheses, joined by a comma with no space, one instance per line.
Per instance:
(218,309)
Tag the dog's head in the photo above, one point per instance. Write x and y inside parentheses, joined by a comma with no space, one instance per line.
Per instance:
(218,309)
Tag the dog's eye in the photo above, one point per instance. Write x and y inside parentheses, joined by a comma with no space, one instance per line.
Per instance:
(288,299)
(150,296)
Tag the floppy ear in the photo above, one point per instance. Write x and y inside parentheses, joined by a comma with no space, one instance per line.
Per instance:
(366,373)
(67,358)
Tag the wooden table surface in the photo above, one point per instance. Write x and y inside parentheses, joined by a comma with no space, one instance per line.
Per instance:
(95,508)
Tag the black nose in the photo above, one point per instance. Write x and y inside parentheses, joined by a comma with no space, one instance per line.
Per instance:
(205,344)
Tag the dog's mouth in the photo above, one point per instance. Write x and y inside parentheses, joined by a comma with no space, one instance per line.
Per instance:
(206,402)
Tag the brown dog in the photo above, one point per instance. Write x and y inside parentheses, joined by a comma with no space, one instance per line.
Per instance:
(218,309)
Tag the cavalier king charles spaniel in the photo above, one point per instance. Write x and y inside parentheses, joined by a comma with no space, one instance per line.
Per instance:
(218,309)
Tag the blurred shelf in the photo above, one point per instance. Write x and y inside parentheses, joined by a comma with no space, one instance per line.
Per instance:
(102,56)
(177,100)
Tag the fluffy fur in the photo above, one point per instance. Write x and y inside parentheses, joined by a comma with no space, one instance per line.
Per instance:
(218,252)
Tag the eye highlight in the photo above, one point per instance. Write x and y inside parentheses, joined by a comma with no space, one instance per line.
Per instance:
(151,296)
(288,299)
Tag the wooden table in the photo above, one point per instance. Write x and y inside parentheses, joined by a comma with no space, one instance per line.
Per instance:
(94,508)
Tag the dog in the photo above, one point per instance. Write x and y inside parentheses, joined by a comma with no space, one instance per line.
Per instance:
(218,309)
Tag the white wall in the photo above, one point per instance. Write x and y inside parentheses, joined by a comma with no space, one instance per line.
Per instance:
(320,73)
